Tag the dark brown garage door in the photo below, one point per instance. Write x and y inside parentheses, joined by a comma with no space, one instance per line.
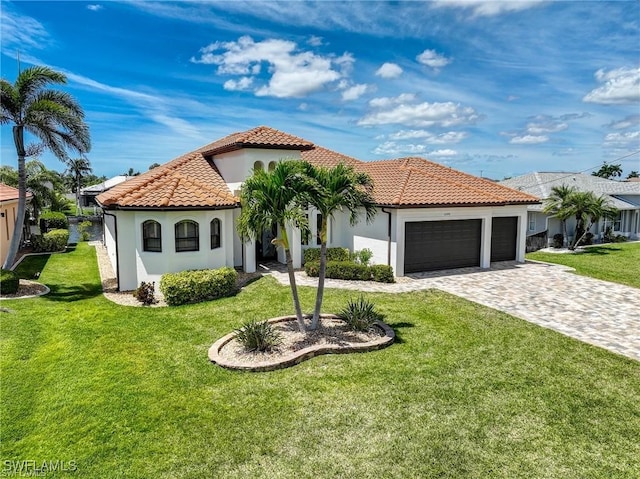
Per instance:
(504,232)
(434,245)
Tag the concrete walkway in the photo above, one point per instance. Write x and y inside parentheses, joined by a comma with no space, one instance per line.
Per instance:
(597,312)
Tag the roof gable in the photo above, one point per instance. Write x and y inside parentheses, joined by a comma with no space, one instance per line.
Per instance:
(260,137)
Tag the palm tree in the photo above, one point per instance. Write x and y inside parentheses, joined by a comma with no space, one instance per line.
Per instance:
(608,171)
(54,117)
(557,205)
(41,183)
(78,168)
(338,189)
(271,199)
(588,209)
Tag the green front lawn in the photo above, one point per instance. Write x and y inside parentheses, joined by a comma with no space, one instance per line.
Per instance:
(465,392)
(618,262)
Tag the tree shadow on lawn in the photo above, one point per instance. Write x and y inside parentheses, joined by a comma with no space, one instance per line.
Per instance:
(397,327)
(599,250)
(76,292)
(31,266)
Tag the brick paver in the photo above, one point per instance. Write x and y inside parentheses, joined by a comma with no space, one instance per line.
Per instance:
(597,312)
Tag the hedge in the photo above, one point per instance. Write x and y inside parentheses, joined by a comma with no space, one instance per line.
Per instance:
(54,240)
(194,286)
(333,254)
(55,220)
(9,281)
(352,271)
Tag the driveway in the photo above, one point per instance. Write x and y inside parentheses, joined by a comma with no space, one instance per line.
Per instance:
(597,312)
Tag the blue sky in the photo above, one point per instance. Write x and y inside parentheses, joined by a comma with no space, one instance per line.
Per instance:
(491,88)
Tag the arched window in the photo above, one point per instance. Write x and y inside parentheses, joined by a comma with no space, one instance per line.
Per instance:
(187,237)
(215,233)
(272,165)
(151,236)
(258,165)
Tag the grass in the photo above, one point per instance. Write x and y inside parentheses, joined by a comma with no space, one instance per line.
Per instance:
(466,392)
(614,262)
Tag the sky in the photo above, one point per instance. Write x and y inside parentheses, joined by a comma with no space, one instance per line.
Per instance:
(495,89)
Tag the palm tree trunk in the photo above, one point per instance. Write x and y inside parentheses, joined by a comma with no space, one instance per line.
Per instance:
(292,280)
(321,276)
(18,139)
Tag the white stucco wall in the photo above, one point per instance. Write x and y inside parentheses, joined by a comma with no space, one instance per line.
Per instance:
(137,265)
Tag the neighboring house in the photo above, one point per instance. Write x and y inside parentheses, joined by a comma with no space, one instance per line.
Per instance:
(182,215)
(624,195)
(88,194)
(8,210)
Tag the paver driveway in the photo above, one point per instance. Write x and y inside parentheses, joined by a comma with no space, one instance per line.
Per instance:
(597,312)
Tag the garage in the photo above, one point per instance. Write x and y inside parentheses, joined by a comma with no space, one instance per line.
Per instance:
(504,233)
(435,245)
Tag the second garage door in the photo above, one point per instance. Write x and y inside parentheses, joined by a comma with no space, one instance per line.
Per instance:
(504,232)
(434,245)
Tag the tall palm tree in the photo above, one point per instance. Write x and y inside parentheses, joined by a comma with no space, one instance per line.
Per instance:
(557,205)
(53,116)
(78,168)
(271,199)
(343,189)
(41,183)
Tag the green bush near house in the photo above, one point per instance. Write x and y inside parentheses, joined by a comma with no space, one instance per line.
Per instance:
(333,254)
(352,271)
(54,240)
(195,286)
(55,220)
(9,281)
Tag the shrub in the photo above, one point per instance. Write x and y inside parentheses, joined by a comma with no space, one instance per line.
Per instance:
(9,281)
(333,254)
(352,271)
(145,293)
(258,336)
(360,314)
(620,239)
(382,273)
(363,256)
(54,240)
(558,240)
(55,220)
(198,285)
(83,229)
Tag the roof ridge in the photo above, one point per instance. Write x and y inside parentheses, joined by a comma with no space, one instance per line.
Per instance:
(173,185)
(401,192)
(196,182)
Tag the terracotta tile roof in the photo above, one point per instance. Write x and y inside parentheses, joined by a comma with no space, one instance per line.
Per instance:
(10,193)
(319,156)
(259,137)
(420,182)
(188,181)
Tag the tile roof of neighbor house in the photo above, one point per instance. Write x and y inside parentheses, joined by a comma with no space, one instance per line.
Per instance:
(191,181)
(8,193)
(541,183)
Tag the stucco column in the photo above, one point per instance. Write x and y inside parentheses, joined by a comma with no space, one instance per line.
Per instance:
(521,246)
(249,256)
(485,253)
(295,245)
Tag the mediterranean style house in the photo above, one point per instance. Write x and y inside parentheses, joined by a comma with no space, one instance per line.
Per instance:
(182,215)
(8,209)
(623,195)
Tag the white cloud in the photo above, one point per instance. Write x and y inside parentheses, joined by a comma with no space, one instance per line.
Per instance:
(315,41)
(627,122)
(546,125)
(529,139)
(392,148)
(443,153)
(238,85)
(354,92)
(428,137)
(433,59)
(389,70)
(21,31)
(489,8)
(95,7)
(294,73)
(398,110)
(623,139)
(620,86)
